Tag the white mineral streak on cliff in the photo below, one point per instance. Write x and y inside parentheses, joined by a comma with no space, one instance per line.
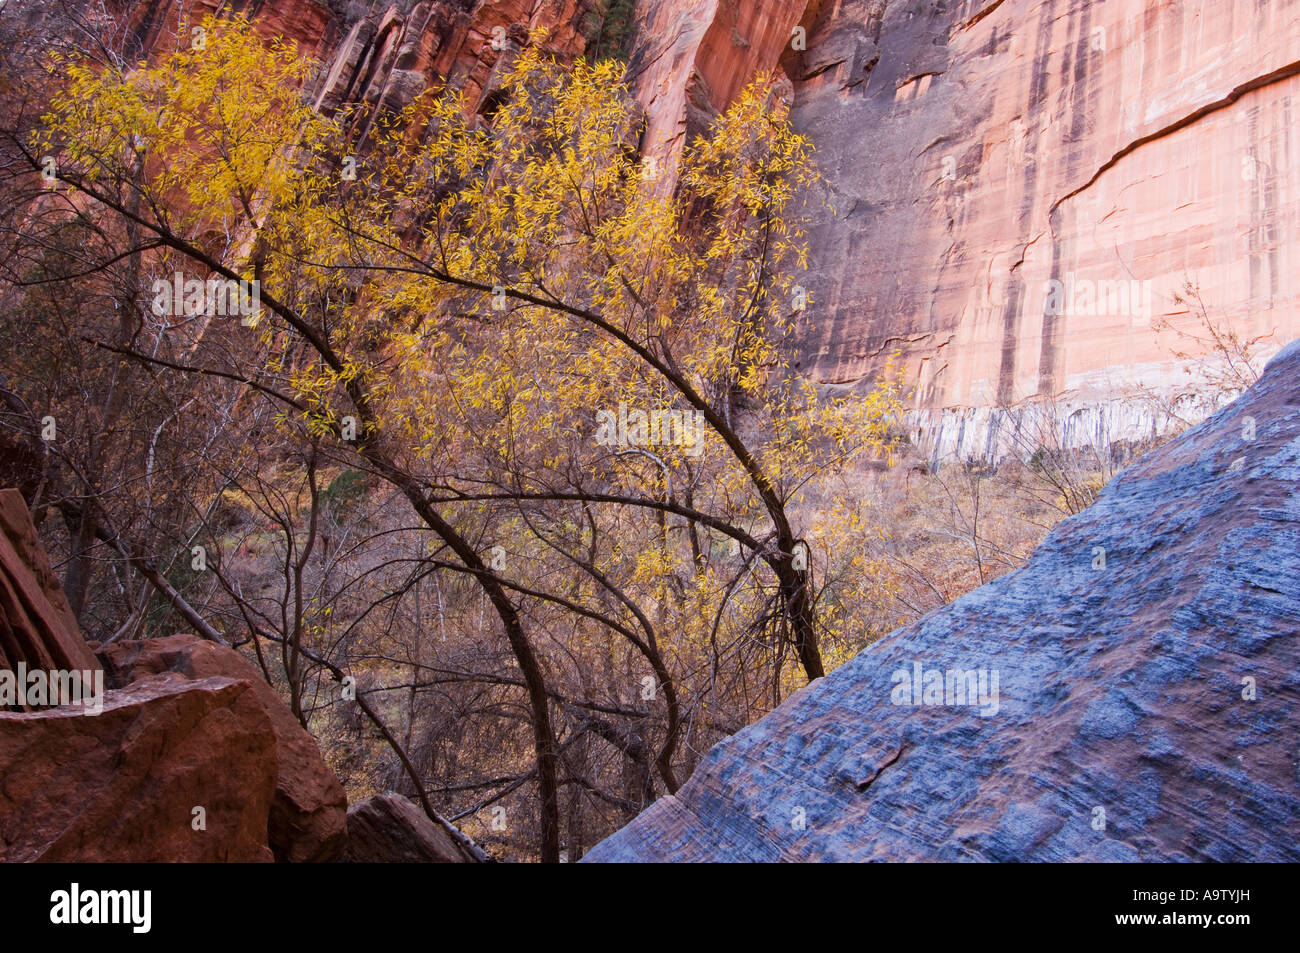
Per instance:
(977,151)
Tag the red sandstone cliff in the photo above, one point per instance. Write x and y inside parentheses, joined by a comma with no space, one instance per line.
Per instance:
(975,151)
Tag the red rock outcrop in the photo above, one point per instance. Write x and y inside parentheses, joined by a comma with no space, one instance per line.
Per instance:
(690,59)
(312,25)
(124,785)
(388,828)
(308,821)
(37,626)
(389,58)
(687,60)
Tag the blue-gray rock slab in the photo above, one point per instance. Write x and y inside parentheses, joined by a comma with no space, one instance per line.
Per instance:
(1139,702)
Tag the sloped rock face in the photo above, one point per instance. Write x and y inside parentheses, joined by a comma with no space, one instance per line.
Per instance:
(123,785)
(977,150)
(1145,707)
(37,626)
(308,820)
(388,828)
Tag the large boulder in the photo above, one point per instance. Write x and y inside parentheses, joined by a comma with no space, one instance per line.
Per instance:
(185,724)
(388,828)
(167,769)
(1138,694)
(170,770)
(308,821)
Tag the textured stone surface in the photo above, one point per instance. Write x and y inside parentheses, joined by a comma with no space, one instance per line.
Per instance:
(1121,688)
(308,814)
(391,56)
(122,785)
(310,24)
(976,149)
(388,828)
(689,59)
(37,626)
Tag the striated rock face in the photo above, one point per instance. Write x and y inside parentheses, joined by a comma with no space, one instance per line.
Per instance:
(689,59)
(37,626)
(122,786)
(977,150)
(308,812)
(388,828)
(1132,692)
(311,24)
(388,58)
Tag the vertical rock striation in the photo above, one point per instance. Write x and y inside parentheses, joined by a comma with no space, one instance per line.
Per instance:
(689,60)
(977,150)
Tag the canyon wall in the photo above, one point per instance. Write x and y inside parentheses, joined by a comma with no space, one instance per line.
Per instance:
(1017,192)
(388,58)
(688,60)
(156,25)
(975,151)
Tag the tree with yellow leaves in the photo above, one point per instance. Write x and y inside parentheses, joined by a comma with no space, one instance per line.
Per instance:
(574,374)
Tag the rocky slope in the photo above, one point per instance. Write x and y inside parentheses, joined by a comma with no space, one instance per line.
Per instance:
(1134,691)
